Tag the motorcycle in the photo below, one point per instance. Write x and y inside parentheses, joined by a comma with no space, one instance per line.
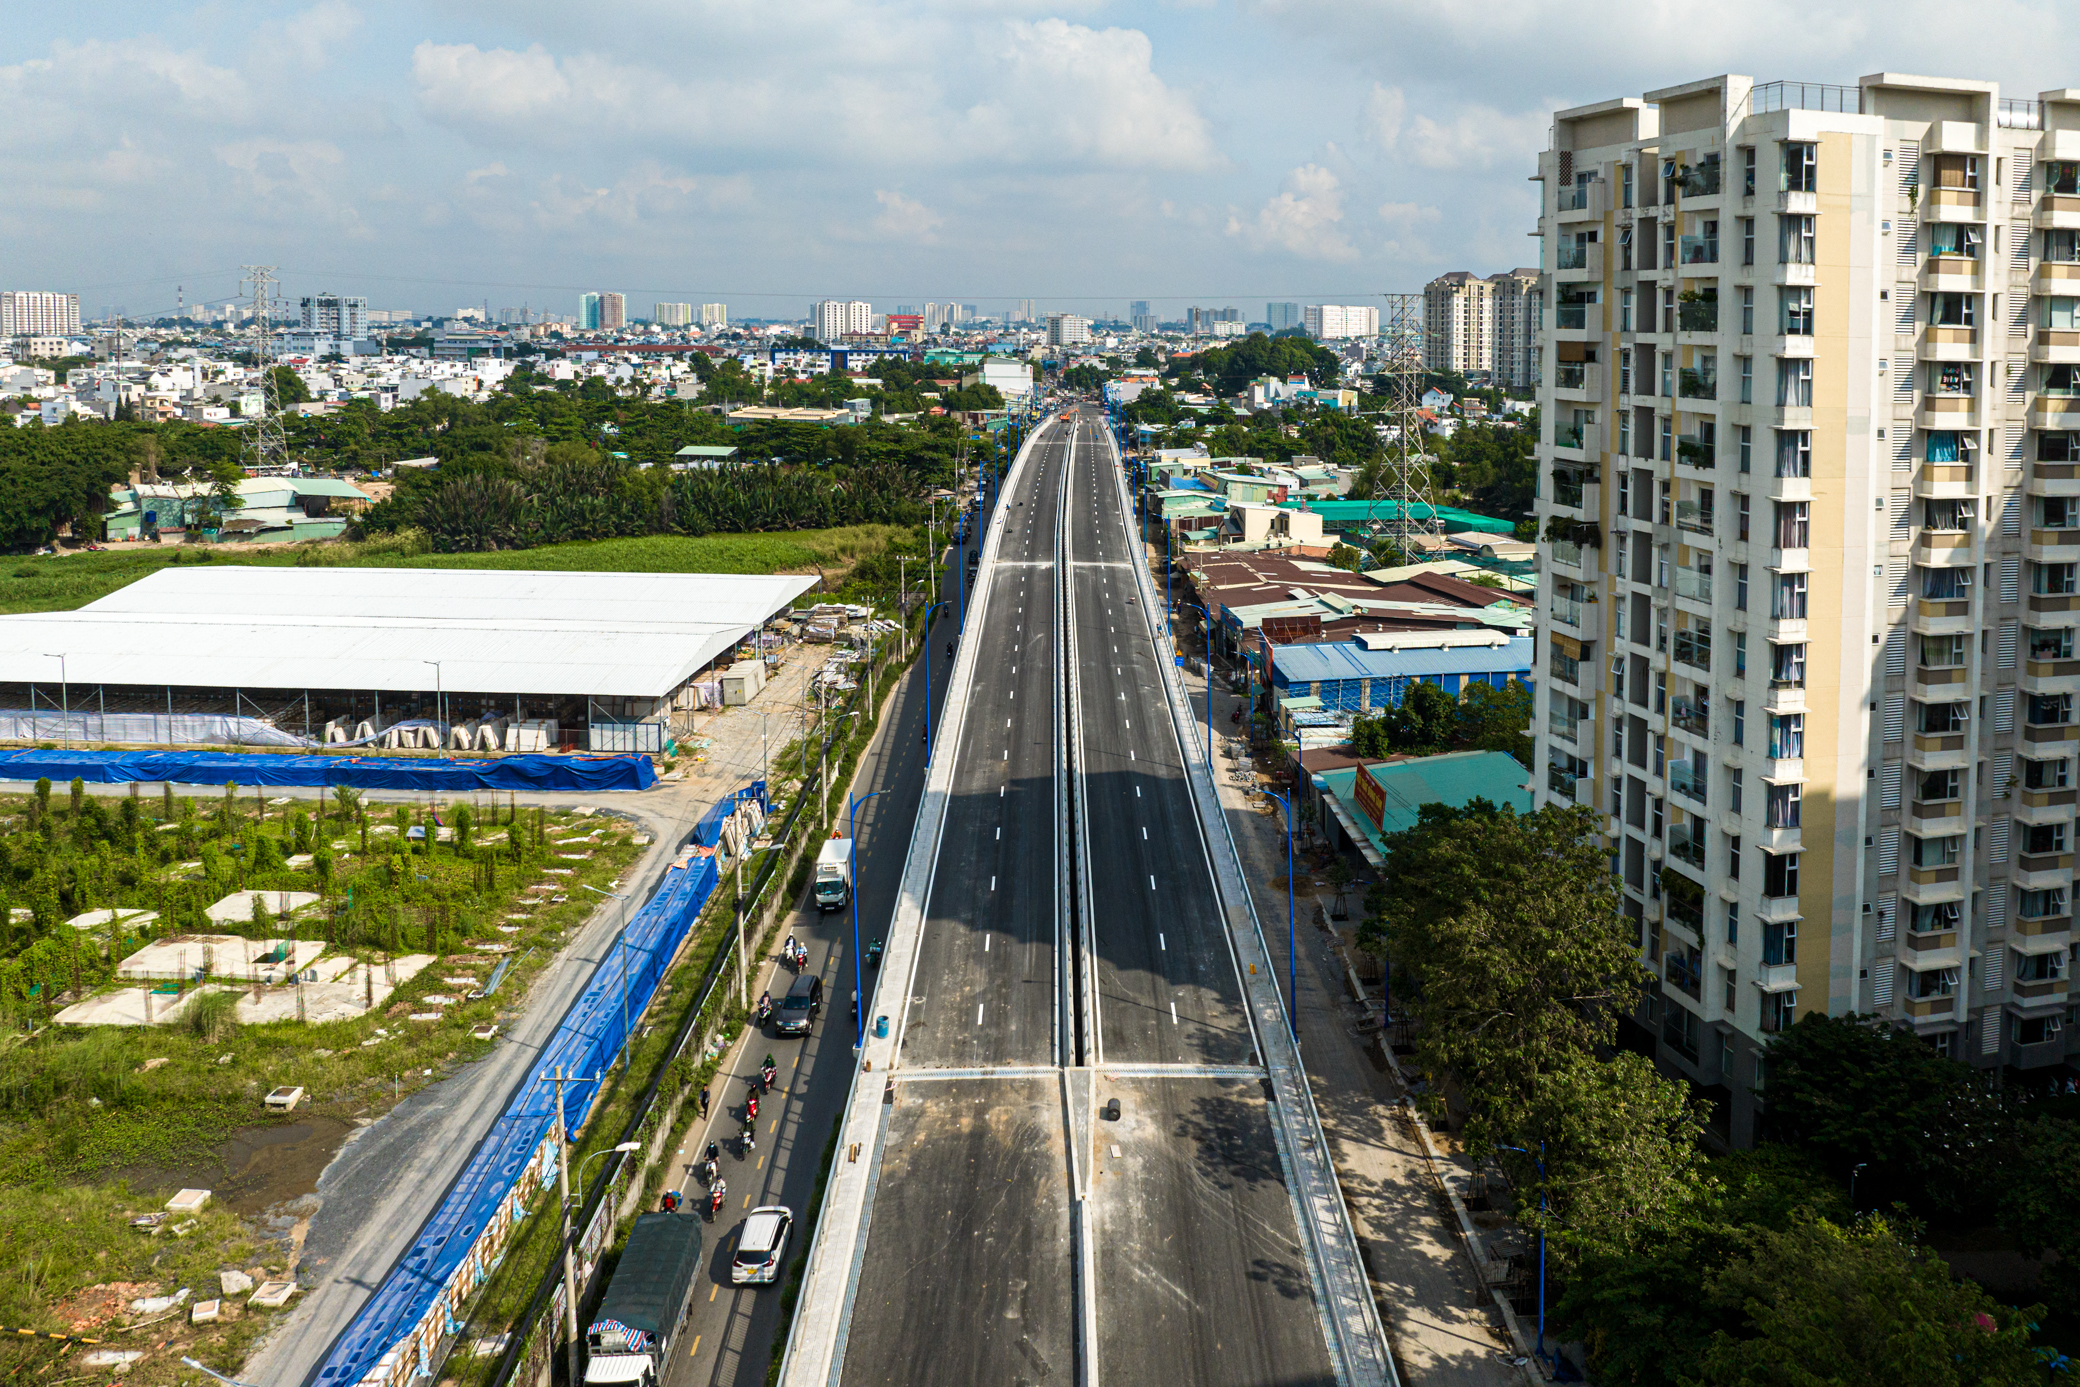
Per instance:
(711,1166)
(750,1138)
(801,957)
(751,1108)
(874,954)
(715,1197)
(787,954)
(765,1007)
(767,1074)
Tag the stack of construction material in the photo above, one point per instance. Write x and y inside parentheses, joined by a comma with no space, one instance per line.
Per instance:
(535,734)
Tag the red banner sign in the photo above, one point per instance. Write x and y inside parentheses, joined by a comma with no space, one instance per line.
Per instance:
(1370,797)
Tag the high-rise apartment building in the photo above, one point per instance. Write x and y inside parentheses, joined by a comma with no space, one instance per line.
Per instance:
(834,318)
(602,311)
(338,316)
(38,313)
(1329,322)
(1811,551)
(1137,309)
(1514,318)
(1143,322)
(1067,330)
(714,315)
(1280,316)
(1458,323)
(1024,313)
(672,315)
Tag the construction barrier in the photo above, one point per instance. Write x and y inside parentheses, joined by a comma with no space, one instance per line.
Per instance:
(581,773)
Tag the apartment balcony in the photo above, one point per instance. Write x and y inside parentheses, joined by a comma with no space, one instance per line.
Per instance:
(1939,751)
(1932,948)
(1953,205)
(2049,676)
(2044,992)
(1578,264)
(1777,977)
(1697,250)
(2044,806)
(1946,481)
(1941,1008)
(1948,412)
(1938,685)
(1778,910)
(2056,278)
(2047,411)
(2057,212)
(1584,319)
(1931,885)
(2045,740)
(2057,346)
(1936,817)
(1779,840)
(1585,202)
(1950,344)
(1791,560)
(2044,931)
(1577,442)
(1943,549)
(1793,274)
(2054,479)
(1791,344)
(2062,608)
(1580,381)
(2052,546)
(1952,274)
(1784,698)
(1693,451)
(1928,616)
(2043,871)
(1697,385)
(1807,204)
(1776,488)
(1787,416)
(1785,630)
(1695,586)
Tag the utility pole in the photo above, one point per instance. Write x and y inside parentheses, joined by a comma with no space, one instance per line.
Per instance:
(266,445)
(570,1269)
(1406,480)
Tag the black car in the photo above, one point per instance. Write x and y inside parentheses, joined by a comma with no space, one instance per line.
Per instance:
(797,1010)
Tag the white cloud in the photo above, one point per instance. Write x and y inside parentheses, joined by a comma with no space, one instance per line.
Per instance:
(464,83)
(904,218)
(1473,136)
(1071,94)
(1303,220)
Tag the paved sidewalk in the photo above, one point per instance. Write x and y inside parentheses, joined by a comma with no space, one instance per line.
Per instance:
(1443,1323)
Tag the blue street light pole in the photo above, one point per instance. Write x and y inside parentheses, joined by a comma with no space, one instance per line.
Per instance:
(928,680)
(1541,1159)
(1209,678)
(1292,919)
(859,986)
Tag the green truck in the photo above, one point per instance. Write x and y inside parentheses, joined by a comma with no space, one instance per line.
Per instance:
(631,1337)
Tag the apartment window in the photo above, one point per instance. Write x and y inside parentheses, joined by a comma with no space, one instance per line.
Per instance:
(2062,381)
(1787,667)
(1779,943)
(1624,443)
(1744,435)
(2042,905)
(1794,527)
(1624,247)
(2049,710)
(1795,381)
(1935,787)
(1801,167)
(2041,838)
(1788,603)
(2052,579)
(2047,775)
(2062,246)
(2061,312)
(1787,737)
(1795,240)
(1943,652)
(2049,642)
(1733,909)
(2058,512)
(1957,171)
(1740,722)
(1667,450)
(1624,185)
(1747,240)
(1939,719)
(1740,516)
(1946,584)
(1668,247)
(1780,807)
(1625,310)
(1795,311)
(2061,177)
(1733,778)
(1747,170)
(1794,452)
(1740,587)
(1950,310)
(1952,377)
(1747,292)
(1780,874)
(1951,517)
(1745,367)
(1954,238)
(1934,852)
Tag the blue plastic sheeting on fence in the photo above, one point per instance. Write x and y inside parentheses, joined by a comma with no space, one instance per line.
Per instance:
(586,773)
(584,1045)
(708,832)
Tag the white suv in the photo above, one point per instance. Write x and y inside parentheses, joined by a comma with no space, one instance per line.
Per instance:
(762,1246)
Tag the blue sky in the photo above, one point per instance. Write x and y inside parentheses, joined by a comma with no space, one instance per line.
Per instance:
(1224,152)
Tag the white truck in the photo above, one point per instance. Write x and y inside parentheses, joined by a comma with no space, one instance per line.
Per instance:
(834,874)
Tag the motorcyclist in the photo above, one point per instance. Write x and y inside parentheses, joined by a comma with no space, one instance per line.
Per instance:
(750,1134)
(751,1108)
(713,1165)
(787,951)
(768,1072)
(716,1196)
(765,1007)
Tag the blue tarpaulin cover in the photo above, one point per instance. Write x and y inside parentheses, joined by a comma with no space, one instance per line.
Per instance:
(708,832)
(584,1045)
(586,773)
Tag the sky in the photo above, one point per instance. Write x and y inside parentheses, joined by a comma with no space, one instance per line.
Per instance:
(1078,153)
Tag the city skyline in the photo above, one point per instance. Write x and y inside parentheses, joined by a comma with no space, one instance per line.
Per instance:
(418,158)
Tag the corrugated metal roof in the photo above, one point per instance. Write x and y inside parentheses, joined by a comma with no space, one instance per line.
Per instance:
(1308,664)
(635,635)
(1454,778)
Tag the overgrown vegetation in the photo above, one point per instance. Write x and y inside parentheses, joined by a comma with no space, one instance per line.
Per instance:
(1429,720)
(1515,966)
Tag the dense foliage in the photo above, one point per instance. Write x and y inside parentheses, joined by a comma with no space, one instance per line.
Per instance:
(1429,720)
(1229,370)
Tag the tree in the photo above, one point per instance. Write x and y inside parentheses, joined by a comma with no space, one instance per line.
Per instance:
(289,388)
(1853,1091)
(1509,923)
(1862,1304)
(1425,720)
(1492,719)
(2040,1202)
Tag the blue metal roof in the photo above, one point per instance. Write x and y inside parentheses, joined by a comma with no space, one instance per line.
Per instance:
(1309,664)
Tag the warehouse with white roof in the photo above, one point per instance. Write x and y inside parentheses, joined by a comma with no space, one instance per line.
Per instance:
(219,651)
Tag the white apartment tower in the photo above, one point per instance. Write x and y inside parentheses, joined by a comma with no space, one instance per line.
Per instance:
(38,313)
(1067,330)
(1328,322)
(1458,323)
(672,314)
(831,319)
(1810,531)
(714,315)
(339,316)
(1514,356)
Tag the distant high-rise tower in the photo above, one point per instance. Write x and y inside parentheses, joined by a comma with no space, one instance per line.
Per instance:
(336,315)
(1281,316)
(672,314)
(714,315)
(34,313)
(835,318)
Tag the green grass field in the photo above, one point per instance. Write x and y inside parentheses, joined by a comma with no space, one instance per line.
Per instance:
(60,583)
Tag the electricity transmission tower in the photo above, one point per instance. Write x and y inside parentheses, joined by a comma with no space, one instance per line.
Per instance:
(267,447)
(1405,480)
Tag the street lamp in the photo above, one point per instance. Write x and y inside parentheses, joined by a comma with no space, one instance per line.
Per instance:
(1541,1159)
(859,985)
(1292,919)
(1209,678)
(564,1207)
(622,949)
(64,696)
(439,699)
(928,680)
